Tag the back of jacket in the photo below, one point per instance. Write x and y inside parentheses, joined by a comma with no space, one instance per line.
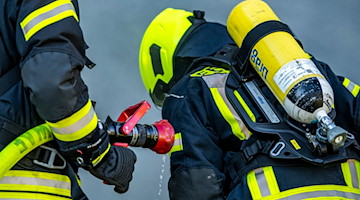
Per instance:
(207,157)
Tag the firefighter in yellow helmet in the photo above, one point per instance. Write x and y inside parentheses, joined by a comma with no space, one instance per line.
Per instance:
(233,139)
(42,52)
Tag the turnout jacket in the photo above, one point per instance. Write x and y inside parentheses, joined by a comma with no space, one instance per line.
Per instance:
(43,49)
(210,133)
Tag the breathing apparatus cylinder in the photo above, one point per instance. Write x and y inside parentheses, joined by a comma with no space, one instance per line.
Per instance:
(158,136)
(284,66)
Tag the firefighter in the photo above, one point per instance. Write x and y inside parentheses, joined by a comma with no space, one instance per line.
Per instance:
(42,53)
(190,68)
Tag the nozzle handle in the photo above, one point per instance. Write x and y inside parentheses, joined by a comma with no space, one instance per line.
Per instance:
(132,115)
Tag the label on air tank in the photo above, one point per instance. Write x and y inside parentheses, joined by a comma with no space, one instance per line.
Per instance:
(293,71)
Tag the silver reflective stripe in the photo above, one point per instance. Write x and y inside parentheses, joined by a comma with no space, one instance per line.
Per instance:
(325,193)
(243,128)
(354,174)
(35,182)
(219,81)
(177,146)
(216,80)
(262,183)
(351,86)
(178,142)
(84,121)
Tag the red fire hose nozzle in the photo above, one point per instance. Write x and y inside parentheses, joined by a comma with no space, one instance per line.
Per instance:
(166,136)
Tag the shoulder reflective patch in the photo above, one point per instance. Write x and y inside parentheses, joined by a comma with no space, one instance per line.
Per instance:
(209,71)
(177,146)
(351,86)
(47,15)
(216,84)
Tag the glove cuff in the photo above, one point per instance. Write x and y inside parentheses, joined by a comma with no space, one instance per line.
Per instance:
(87,152)
(117,169)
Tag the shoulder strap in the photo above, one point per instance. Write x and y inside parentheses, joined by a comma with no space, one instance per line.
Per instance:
(258,33)
(9,79)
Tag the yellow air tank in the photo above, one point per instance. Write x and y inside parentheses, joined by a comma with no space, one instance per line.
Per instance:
(284,66)
(282,63)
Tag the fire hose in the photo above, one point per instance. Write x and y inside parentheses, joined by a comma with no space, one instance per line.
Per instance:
(159,136)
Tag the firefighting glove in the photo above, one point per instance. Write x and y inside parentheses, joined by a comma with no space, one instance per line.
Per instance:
(114,165)
(117,169)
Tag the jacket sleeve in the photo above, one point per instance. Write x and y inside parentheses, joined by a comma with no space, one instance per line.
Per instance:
(51,43)
(347,100)
(196,157)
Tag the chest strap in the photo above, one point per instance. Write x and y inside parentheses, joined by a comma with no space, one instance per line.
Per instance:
(9,79)
(256,154)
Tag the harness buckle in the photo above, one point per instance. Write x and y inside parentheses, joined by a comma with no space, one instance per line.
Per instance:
(258,146)
(51,158)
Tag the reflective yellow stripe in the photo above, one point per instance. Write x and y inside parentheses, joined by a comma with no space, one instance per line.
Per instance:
(226,113)
(36,174)
(253,185)
(216,83)
(77,125)
(47,15)
(271,180)
(355,91)
(73,118)
(317,192)
(245,106)
(43,182)
(263,185)
(98,159)
(352,87)
(351,172)
(28,196)
(177,146)
(262,182)
(346,82)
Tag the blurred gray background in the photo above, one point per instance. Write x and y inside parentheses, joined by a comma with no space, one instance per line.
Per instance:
(113,29)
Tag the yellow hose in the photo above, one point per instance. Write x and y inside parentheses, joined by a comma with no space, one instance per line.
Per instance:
(22,145)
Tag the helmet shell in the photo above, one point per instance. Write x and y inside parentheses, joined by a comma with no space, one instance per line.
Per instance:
(170,43)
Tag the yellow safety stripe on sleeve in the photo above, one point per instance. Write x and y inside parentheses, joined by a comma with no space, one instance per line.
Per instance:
(245,106)
(177,146)
(228,115)
(262,182)
(99,158)
(33,181)
(351,172)
(29,195)
(46,15)
(77,125)
(351,86)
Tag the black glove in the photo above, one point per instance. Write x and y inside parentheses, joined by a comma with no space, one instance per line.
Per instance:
(116,168)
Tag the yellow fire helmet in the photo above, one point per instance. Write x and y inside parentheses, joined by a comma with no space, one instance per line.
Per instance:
(170,43)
